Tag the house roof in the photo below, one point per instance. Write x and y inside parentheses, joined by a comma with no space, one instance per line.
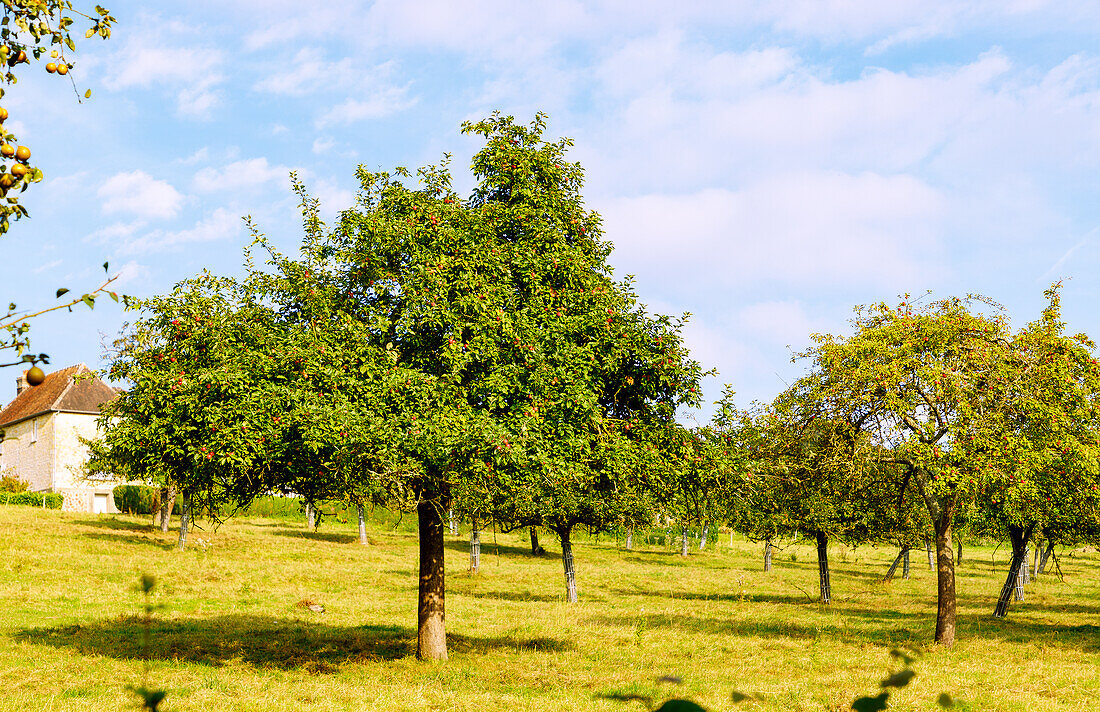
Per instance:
(59,392)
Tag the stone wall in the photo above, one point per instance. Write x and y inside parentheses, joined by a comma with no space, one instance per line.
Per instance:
(29,459)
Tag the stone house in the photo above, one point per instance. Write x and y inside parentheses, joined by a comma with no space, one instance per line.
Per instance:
(39,437)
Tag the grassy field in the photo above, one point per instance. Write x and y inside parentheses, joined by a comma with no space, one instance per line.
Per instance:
(230,632)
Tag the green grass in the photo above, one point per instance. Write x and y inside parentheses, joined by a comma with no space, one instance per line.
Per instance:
(229,634)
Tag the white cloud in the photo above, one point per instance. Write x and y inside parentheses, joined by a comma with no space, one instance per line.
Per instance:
(308,73)
(151,60)
(323,145)
(140,194)
(219,225)
(247,173)
(812,228)
(131,273)
(48,266)
(380,103)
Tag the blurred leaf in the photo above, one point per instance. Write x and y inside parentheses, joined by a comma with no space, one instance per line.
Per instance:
(104,266)
(61,291)
(680,706)
(945,700)
(871,704)
(900,678)
(88,94)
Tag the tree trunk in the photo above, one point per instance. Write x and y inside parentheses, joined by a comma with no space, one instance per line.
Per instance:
(311,517)
(629,538)
(1045,557)
(893,567)
(185,521)
(684,542)
(823,567)
(905,565)
(567,564)
(1035,560)
(703,537)
(1026,575)
(941,510)
(451,518)
(1019,537)
(768,554)
(536,550)
(362,526)
(166,508)
(431,630)
(475,548)
(928,549)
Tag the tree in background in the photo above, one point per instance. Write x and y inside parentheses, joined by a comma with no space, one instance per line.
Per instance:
(922,372)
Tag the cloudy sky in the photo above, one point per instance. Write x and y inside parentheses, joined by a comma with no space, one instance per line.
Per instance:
(762,165)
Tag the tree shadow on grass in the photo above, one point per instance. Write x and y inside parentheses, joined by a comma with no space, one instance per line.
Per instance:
(149,540)
(488,547)
(872,626)
(262,642)
(115,524)
(332,537)
(511,596)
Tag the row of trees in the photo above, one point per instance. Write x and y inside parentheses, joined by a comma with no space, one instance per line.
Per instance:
(475,356)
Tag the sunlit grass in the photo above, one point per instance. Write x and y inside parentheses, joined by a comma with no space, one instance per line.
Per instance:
(229,633)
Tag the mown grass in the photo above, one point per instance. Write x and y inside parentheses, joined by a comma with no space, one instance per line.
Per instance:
(229,633)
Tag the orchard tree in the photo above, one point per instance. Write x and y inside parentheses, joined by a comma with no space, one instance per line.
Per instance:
(201,409)
(924,374)
(1041,447)
(479,352)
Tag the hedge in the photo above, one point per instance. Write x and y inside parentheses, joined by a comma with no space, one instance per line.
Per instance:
(135,499)
(49,500)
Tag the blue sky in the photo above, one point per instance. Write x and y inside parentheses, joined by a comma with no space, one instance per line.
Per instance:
(763,165)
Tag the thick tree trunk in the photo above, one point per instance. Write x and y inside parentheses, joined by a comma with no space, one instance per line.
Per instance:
(703,537)
(166,507)
(928,549)
(475,548)
(1045,557)
(823,567)
(893,567)
(536,550)
(362,526)
(768,554)
(185,521)
(1013,585)
(947,603)
(311,517)
(629,538)
(905,564)
(684,542)
(431,630)
(567,564)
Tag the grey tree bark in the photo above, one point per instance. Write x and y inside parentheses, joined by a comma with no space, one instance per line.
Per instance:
(362,526)
(185,521)
(823,567)
(905,565)
(311,517)
(1045,557)
(629,538)
(684,542)
(536,550)
(1013,585)
(453,524)
(768,554)
(703,537)
(475,549)
(893,567)
(567,565)
(928,548)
